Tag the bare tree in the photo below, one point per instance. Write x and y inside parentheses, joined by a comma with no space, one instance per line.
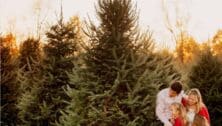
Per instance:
(179,26)
(40,17)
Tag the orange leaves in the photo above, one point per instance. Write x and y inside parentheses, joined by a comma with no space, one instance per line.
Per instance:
(186,49)
(9,41)
(74,21)
(218,37)
(217,44)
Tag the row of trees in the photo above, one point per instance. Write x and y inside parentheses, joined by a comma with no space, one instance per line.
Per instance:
(109,75)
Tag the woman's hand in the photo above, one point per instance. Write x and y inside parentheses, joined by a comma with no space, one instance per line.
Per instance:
(172,119)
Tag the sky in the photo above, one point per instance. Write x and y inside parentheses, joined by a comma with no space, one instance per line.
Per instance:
(202,18)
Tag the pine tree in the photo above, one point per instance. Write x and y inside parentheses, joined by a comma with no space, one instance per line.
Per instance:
(30,52)
(206,75)
(30,79)
(129,101)
(9,85)
(30,60)
(112,39)
(48,98)
(30,110)
(122,76)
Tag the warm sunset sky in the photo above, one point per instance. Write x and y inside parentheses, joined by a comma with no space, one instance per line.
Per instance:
(204,16)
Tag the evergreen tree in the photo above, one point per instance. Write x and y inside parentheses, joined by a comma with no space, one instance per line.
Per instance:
(31,111)
(30,79)
(30,60)
(48,98)
(129,101)
(122,76)
(206,75)
(30,52)
(9,84)
(112,39)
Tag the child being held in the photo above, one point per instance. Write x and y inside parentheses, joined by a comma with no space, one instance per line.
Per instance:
(178,114)
(199,121)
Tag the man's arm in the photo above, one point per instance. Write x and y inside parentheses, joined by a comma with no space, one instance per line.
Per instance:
(160,111)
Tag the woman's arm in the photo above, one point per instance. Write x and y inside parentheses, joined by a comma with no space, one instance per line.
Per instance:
(204,112)
(184,101)
(178,122)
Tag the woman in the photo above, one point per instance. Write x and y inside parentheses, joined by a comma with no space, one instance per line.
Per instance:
(195,105)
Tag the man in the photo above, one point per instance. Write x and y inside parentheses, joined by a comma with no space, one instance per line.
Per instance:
(165,98)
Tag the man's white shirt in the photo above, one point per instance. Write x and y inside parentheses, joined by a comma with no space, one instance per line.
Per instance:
(163,105)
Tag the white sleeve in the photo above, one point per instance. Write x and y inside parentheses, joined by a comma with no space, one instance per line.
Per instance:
(184,95)
(160,111)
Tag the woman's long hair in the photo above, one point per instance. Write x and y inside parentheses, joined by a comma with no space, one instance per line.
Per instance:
(196,92)
(199,121)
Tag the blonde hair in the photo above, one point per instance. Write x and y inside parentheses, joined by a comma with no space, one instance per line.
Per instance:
(182,111)
(196,92)
(199,121)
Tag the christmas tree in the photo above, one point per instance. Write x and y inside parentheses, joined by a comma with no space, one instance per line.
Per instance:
(122,76)
(206,75)
(30,59)
(113,39)
(30,79)
(42,104)
(9,84)
(30,52)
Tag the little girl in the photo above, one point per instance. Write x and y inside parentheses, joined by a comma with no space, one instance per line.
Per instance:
(178,114)
(199,121)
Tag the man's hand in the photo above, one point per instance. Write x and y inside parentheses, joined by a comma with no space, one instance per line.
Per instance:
(172,120)
(168,124)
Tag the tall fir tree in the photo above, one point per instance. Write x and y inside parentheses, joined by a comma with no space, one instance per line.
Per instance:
(9,84)
(122,76)
(112,39)
(30,52)
(129,101)
(206,75)
(48,98)
(31,111)
(30,79)
(30,59)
